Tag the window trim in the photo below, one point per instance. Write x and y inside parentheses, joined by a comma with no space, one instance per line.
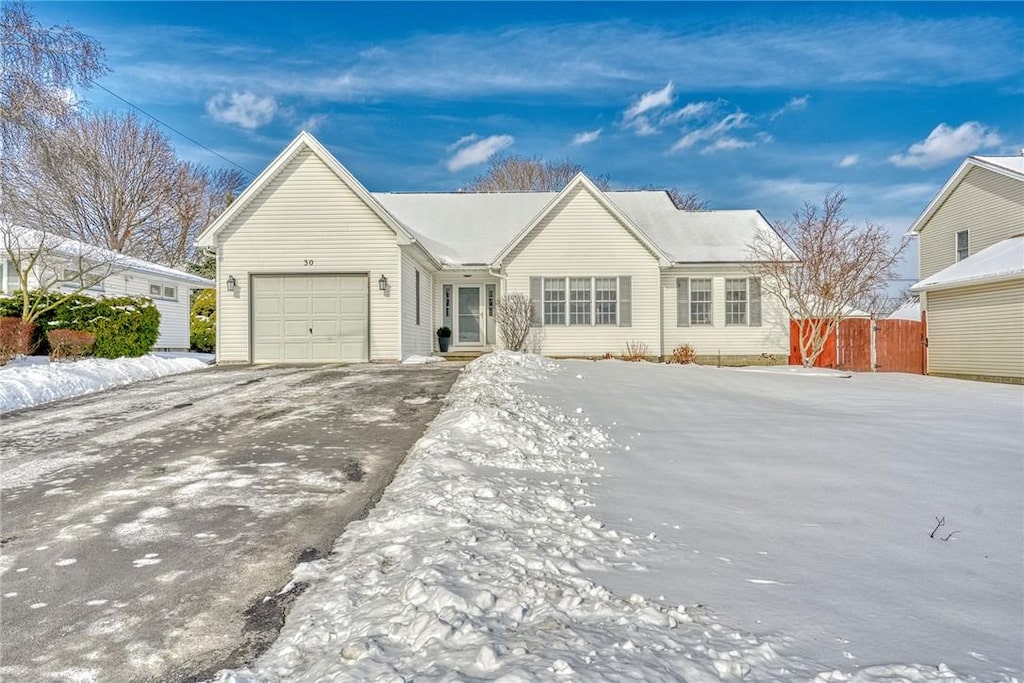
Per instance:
(710,322)
(162,296)
(548,315)
(956,245)
(567,302)
(746,301)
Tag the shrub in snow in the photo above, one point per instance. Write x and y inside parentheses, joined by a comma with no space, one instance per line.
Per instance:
(70,344)
(514,318)
(125,326)
(203,323)
(636,351)
(683,354)
(15,338)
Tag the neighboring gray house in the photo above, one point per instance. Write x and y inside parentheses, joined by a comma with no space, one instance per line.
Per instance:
(167,287)
(312,267)
(972,271)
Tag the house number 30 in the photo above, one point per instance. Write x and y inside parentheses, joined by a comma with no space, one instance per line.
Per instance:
(307,262)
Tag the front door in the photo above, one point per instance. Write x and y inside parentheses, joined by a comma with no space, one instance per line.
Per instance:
(469,315)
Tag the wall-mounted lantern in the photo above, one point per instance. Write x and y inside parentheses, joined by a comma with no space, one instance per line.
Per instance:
(232,283)
(382,283)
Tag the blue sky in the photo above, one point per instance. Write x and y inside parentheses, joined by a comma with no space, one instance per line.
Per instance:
(750,105)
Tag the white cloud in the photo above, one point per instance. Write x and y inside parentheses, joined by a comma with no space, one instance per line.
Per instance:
(311,124)
(586,137)
(637,116)
(849,160)
(945,143)
(794,104)
(245,109)
(692,110)
(464,140)
(715,135)
(473,150)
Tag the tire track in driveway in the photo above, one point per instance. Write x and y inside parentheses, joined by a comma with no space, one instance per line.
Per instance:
(186,510)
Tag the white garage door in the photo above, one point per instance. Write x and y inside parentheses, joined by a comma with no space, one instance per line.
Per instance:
(310,318)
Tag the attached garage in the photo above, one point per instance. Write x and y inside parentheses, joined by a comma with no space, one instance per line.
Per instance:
(321,318)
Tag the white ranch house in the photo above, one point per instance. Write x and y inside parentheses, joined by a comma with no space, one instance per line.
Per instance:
(312,267)
(169,288)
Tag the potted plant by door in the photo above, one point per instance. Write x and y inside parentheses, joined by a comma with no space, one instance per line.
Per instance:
(444,338)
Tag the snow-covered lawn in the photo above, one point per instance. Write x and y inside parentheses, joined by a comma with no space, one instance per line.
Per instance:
(29,381)
(610,521)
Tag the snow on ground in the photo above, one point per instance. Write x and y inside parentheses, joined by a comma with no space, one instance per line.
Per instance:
(489,556)
(420,360)
(29,381)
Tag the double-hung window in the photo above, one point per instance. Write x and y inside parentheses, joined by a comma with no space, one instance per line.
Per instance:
(736,301)
(606,300)
(700,301)
(962,245)
(554,301)
(579,300)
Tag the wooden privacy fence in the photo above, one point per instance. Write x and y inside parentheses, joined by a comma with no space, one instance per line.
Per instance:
(894,346)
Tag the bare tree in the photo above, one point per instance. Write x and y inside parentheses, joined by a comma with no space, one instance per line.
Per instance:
(684,201)
(197,196)
(530,174)
(840,264)
(513,315)
(50,268)
(41,69)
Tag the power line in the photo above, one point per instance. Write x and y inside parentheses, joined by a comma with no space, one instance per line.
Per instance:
(172,128)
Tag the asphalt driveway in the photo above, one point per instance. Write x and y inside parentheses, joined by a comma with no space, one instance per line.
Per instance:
(147,532)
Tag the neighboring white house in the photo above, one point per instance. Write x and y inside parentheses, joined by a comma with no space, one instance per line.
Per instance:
(121,275)
(312,267)
(972,271)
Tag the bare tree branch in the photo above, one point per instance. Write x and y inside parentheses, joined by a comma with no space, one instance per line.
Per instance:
(530,174)
(840,264)
(512,316)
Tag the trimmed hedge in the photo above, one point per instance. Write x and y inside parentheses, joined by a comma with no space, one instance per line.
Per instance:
(203,322)
(123,326)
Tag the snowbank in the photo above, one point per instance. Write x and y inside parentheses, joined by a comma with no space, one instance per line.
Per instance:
(31,381)
(420,360)
(474,566)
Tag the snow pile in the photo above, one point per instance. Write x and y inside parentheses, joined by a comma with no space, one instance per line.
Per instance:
(26,383)
(420,360)
(474,566)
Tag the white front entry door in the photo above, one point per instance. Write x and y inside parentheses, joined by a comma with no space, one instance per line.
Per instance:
(469,315)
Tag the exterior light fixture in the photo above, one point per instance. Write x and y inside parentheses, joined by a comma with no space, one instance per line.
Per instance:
(232,283)
(382,283)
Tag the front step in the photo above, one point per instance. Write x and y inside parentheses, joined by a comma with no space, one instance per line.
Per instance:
(462,355)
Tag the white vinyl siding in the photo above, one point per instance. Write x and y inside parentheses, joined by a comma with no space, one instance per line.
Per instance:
(771,337)
(580,238)
(977,330)
(307,221)
(989,205)
(418,330)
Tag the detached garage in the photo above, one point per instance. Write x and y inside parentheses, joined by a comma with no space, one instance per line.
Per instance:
(321,318)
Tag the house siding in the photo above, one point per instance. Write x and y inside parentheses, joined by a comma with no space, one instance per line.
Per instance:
(307,212)
(579,237)
(732,342)
(417,339)
(977,331)
(989,205)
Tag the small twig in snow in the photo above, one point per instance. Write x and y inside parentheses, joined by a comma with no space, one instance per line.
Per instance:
(941,522)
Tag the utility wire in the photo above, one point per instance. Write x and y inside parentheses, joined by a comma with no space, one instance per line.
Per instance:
(172,128)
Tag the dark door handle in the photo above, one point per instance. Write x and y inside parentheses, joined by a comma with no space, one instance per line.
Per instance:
(311,330)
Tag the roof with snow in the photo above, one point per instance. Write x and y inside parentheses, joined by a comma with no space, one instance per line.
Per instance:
(66,246)
(1002,261)
(908,310)
(482,224)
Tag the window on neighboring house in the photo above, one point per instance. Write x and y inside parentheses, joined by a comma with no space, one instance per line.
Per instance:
(606,300)
(962,245)
(554,301)
(417,297)
(73,278)
(163,292)
(736,301)
(700,302)
(579,300)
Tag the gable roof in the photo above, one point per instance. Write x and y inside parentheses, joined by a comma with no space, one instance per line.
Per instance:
(119,262)
(583,181)
(1001,261)
(306,141)
(1011,167)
